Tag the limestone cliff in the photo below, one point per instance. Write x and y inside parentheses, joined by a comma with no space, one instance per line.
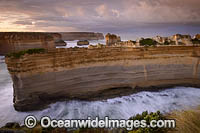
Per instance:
(181,39)
(93,73)
(58,39)
(17,41)
(70,36)
(197,36)
(112,39)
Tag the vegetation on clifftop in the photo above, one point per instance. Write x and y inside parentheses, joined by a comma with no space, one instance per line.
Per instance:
(186,122)
(29,51)
(195,41)
(148,42)
(148,117)
(144,116)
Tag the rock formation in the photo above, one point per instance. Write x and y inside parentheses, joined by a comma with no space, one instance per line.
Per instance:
(161,40)
(85,42)
(95,73)
(17,41)
(181,39)
(197,36)
(112,39)
(58,39)
(128,43)
(71,36)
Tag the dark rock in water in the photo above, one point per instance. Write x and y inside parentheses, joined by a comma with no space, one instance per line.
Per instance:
(12,125)
(58,39)
(60,43)
(85,42)
(148,96)
(164,95)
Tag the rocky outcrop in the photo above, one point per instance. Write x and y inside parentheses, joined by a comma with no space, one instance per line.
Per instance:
(18,41)
(60,43)
(98,73)
(161,40)
(128,43)
(181,39)
(81,43)
(197,36)
(71,36)
(58,39)
(112,39)
(177,39)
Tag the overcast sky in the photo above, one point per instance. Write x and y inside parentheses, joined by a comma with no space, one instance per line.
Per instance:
(118,16)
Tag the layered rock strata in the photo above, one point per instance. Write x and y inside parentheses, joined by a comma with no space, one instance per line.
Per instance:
(58,39)
(112,39)
(99,73)
(181,39)
(176,39)
(81,43)
(18,41)
(197,36)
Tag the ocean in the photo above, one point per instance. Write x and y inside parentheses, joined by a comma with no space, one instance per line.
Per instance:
(71,44)
(116,108)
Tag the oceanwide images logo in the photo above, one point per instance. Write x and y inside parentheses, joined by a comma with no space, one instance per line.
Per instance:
(45,122)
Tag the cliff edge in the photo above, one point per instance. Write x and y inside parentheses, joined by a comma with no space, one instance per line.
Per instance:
(98,73)
(17,41)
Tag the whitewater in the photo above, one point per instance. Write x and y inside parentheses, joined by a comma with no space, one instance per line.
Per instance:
(178,98)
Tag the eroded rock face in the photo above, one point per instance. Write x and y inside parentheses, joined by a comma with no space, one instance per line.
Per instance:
(181,39)
(81,43)
(128,43)
(58,39)
(111,39)
(88,74)
(197,36)
(160,39)
(17,41)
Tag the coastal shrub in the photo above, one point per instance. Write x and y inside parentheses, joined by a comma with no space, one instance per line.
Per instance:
(148,117)
(166,42)
(195,41)
(173,43)
(29,51)
(133,41)
(148,42)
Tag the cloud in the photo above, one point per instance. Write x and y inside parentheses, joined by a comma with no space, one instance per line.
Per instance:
(102,10)
(96,15)
(116,12)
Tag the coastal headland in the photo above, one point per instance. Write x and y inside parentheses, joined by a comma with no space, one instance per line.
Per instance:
(17,41)
(99,72)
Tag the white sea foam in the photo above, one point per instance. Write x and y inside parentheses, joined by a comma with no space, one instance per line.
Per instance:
(71,44)
(2,59)
(118,108)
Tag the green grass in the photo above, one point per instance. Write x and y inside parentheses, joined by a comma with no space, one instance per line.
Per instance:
(29,51)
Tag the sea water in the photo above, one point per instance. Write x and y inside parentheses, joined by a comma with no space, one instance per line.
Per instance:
(71,44)
(118,108)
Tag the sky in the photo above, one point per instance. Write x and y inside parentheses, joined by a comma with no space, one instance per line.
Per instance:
(129,18)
